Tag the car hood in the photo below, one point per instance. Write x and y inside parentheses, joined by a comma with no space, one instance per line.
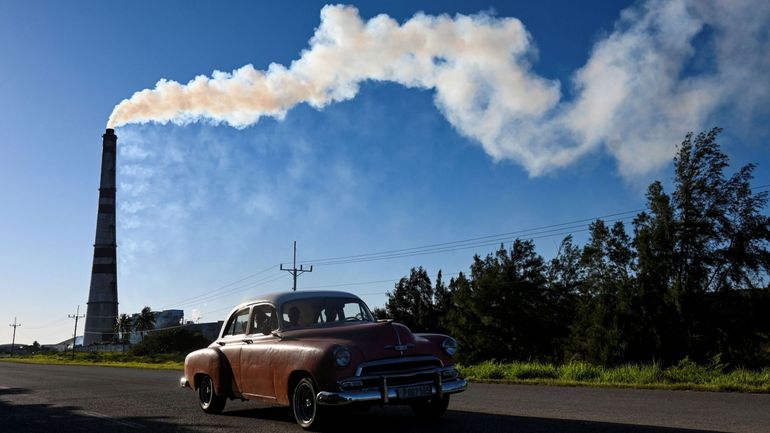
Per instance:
(375,340)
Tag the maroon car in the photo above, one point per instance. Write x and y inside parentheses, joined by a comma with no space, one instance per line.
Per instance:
(314,349)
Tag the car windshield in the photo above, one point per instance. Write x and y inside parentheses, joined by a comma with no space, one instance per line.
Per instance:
(316,312)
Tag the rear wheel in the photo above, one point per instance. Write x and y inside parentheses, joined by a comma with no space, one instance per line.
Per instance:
(304,404)
(208,399)
(433,408)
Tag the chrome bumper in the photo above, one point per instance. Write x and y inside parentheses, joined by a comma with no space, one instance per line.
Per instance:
(184,383)
(385,393)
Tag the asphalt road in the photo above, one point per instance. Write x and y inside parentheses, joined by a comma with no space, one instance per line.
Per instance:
(64,399)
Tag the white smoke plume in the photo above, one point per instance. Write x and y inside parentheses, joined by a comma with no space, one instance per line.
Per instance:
(634,96)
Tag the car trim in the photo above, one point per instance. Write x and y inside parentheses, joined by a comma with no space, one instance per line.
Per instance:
(260,396)
(387,393)
(363,365)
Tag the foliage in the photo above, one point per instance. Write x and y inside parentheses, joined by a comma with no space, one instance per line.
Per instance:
(173,361)
(684,375)
(689,282)
(176,340)
(123,327)
(415,302)
(145,321)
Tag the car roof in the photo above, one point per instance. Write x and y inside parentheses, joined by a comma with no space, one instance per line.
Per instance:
(279,298)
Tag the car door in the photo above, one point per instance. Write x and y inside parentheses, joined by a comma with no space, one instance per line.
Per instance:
(231,342)
(256,353)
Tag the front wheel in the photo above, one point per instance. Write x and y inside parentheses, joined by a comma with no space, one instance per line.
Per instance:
(304,404)
(208,399)
(433,408)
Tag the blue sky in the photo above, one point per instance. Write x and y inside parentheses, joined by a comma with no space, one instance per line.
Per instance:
(203,204)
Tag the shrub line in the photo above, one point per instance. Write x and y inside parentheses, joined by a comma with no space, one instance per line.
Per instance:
(686,375)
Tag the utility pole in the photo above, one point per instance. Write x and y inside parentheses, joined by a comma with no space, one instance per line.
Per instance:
(75,334)
(13,343)
(294,271)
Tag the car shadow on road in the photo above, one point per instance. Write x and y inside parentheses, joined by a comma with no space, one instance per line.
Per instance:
(20,411)
(402,420)
(13,391)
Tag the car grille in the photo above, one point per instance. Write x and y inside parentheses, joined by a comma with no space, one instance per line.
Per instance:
(398,366)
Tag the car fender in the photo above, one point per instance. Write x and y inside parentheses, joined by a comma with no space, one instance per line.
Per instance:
(213,363)
(312,358)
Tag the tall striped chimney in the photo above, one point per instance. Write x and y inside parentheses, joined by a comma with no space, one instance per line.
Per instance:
(102,311)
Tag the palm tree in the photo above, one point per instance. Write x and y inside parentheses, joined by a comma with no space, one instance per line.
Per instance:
(145,321)
(123,328)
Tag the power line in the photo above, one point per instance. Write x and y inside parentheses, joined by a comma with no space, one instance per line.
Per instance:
(536,232)
(506,235)
(247,277)
(207,298)
(467,245)
(532,233)
(560,229)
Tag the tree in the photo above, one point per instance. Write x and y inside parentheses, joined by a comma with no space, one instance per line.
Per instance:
(461,321)
(380,313)
(123,327)
(565,273)
(654,242)
(145,321)
(411,302)
(721,245)
(606,321)
(504,311)
(695,249)
(442,303)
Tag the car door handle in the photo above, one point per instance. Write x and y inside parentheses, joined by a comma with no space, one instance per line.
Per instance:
(248,340)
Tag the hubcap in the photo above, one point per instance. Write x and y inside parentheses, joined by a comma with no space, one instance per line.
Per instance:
(304,404)
(206,391)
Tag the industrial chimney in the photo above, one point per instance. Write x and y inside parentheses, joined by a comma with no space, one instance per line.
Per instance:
(103,295)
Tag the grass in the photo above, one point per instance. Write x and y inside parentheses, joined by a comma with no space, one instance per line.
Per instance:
(685,375)
(155,362)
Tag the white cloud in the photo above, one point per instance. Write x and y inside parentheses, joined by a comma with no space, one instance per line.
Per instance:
(635,97)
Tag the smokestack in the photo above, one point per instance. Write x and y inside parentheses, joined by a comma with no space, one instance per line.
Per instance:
(103,295)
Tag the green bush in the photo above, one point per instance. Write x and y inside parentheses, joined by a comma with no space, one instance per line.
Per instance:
(531,370)
(485,371)
(579,371)
(172,341)
(633,373)
(743,377)
(687,371)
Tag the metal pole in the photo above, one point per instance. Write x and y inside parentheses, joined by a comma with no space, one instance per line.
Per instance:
(294,271)
(13,342)
(75,333)
(294,288)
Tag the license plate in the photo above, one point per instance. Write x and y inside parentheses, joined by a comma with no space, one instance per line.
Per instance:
(414,391)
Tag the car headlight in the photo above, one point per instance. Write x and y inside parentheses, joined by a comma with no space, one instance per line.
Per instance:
(450,346)
(342,356)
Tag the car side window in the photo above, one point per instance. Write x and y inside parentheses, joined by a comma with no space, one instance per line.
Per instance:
(263,319)
(237,323)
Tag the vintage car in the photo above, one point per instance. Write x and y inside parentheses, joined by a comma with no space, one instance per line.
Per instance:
(315,349)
